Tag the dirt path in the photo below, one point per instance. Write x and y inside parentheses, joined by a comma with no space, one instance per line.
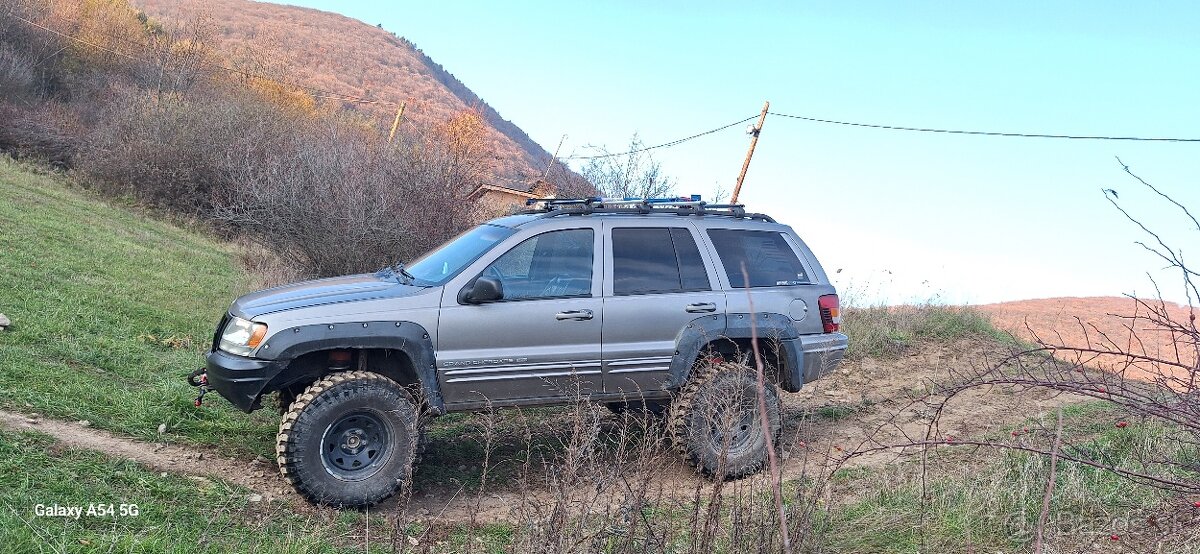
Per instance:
(876,398)
(257,475)
(864,402)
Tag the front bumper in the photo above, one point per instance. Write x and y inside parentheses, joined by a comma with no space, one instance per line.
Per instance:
(240,380)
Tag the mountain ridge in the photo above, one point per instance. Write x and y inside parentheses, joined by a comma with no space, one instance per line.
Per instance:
(333,52)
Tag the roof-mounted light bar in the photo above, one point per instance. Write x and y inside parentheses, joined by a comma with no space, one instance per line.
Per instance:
(684,205)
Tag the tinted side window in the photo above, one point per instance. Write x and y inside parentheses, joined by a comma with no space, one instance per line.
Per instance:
(768,258)
(656,259)
(550,265)
(692,274)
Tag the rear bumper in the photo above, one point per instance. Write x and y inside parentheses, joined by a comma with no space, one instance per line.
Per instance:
(240,380)
(810,357)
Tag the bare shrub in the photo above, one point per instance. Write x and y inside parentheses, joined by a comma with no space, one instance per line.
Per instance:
(170,153)
(46,131)
(336,199)
(434,170)
(17,79)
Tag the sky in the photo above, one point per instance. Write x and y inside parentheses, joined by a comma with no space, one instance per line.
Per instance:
(893,216)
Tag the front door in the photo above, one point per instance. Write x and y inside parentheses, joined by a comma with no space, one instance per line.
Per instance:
(542,339)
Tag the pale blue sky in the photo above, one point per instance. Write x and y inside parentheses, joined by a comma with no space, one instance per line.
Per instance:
(959,218)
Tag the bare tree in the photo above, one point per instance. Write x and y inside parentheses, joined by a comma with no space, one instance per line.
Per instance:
(633,173)
(567,183)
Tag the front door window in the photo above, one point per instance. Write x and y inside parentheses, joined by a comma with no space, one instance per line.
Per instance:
(557,264)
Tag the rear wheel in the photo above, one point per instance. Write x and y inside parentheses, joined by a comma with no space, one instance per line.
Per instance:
(716,424)
(350,439)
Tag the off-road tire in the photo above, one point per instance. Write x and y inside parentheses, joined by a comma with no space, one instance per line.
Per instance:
(371,410)
(709,394)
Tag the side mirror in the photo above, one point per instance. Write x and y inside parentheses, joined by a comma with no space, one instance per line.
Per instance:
(483,289)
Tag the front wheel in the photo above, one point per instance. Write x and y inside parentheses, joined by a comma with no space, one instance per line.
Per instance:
(716,423)
(350,439)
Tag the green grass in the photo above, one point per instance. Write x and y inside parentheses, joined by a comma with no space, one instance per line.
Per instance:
(180,514)
(111,309)
(174,514)
(886,331)
(835,412)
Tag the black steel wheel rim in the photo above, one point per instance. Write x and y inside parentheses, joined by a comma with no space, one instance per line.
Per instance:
(356,445)
(734,434)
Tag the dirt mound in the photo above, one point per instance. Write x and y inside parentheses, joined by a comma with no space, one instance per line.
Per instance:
(870,402)
(1101,323)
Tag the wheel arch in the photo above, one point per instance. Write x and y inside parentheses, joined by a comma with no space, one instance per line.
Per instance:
(734,334)
(401,351)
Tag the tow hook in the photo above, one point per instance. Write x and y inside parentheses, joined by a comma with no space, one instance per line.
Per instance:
(199,379)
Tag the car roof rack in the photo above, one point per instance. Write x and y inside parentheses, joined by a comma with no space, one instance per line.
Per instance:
(693,205)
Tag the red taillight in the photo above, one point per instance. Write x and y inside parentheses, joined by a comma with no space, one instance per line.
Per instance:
(831,312)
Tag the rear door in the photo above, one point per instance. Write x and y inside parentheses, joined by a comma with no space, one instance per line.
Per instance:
(542,339)
(655,283)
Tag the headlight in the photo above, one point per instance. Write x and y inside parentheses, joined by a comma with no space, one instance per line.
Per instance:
(241,337)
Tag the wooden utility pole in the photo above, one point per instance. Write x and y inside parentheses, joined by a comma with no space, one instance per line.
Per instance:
(753,142)
(396,122)
(553,158)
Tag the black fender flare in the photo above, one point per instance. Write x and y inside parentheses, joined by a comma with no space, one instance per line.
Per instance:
(404,336)
(703,330)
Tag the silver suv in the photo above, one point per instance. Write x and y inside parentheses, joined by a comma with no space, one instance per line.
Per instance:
(649,304)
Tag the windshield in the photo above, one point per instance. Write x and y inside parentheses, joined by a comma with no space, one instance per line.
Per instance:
(444,262)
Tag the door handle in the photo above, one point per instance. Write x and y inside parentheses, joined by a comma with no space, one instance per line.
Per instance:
(701,307)
(576,315)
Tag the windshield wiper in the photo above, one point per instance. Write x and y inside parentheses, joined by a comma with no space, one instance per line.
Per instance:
(399,269)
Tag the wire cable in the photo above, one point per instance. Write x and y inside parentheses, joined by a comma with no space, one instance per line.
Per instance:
(982,133)
(663,145)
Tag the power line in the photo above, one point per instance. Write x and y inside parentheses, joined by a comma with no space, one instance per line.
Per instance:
(665,144)
(322,93)
(983,133)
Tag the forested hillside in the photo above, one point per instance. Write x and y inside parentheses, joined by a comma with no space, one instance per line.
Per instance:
(172,115)
(346,56)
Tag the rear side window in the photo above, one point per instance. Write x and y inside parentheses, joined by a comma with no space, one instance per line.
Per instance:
(656,260)
(766,255)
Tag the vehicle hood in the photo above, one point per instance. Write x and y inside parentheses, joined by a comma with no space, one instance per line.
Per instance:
(306,294)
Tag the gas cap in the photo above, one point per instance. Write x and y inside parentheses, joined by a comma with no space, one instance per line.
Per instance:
(799,310)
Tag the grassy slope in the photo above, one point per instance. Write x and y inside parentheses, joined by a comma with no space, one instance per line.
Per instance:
(93,290)
(885,331)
